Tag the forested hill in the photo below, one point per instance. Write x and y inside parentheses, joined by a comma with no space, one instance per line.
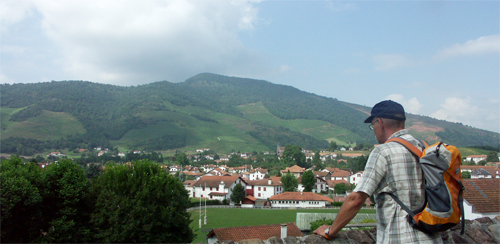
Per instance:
(207,110)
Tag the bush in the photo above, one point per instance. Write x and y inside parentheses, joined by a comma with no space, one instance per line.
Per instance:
(317,223)
(337,204)
(366,221)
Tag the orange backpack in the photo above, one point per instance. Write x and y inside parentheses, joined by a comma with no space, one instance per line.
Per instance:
(443,204)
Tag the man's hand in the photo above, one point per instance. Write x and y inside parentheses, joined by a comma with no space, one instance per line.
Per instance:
(321,231)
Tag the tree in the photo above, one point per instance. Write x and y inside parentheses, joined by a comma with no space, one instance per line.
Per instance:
(140,203)
(182,159)
(20,197)
(308,181)
(318,165)
(492,157)
(294,155)
(66,203)
(289,182)
(340,188)
(238,194)
(466,175)
(333,146)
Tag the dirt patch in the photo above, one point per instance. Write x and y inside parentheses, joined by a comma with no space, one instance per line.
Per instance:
(421,127)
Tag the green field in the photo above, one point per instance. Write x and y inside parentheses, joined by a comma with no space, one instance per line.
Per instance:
(230,217)
(46,126)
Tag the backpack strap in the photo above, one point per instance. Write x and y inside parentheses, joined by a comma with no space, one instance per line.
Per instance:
(461,205)
(403,206)
(413,149)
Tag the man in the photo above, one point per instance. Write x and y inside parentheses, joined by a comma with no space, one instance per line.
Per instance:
(390,168)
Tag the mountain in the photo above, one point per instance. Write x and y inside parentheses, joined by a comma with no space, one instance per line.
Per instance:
(207,110)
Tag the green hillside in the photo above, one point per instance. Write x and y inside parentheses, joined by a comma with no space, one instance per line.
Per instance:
(219,112)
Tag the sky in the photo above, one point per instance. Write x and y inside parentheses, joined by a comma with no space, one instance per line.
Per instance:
(437,58)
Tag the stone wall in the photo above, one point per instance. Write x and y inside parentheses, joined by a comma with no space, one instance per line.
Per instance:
(483,230)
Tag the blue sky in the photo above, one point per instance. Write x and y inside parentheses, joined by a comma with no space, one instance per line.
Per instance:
(437,58)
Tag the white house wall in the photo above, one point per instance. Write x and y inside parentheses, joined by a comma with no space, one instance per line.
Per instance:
(468,208)
(298,204)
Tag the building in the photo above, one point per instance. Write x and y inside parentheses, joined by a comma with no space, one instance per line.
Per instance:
(265,188)
(481,198)
(295,170)
(354,178)
(257,174)
(300,200)
(476,158)
(481,171)
(319,185)
(217,187)
(262,232)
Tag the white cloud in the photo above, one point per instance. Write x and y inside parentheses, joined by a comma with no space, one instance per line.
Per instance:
(130,42)
(385,62)
(480,46)
(13,11)
(411,105)
(462,110)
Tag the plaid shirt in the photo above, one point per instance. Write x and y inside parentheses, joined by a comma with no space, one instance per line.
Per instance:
(391,168)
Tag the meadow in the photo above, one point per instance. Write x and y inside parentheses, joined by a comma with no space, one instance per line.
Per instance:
(230,217)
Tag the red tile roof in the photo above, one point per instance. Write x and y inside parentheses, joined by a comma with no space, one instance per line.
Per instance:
(300,196)
(275,181)
(483,194)
(294,169)
(262,232)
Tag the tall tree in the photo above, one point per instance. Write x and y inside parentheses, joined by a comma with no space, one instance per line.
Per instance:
(66,206)
(289,182)
(294,155)
(333,146)
(318,165)
(238,194)
(141,203)
(340,188)
(492,156)
(308,181)
(21,198)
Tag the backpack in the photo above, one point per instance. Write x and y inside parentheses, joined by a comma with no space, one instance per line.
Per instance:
(443,204)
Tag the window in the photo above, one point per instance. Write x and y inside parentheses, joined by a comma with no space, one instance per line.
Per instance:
(259,188)
(203,188)
(259,194)
(265,188)
(211,196)
(210,188)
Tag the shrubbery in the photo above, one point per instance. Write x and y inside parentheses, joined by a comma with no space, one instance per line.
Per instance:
(140,202)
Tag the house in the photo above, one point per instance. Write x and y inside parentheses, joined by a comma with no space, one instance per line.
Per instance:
(55,154)
(217,187)
(339,174)
(331,183)
(257,174)
(480,173)
(218,172)
(295,170)
(354,178)
(262,232)
(265,188)
(188,185)
(481,198)
(248,202)
(319,185)
(352,155)
(300,200)
(174,169)
(491,171)
(476,158)
(121,154)
(280,150)
(195,175)
(325,175)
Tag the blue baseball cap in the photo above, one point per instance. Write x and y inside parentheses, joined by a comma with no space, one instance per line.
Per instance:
(387,109)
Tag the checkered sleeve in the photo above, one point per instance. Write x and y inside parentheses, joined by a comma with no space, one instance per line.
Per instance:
(375,170)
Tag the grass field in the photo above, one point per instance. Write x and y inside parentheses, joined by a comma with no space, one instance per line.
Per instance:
(47,126)
(230,217)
